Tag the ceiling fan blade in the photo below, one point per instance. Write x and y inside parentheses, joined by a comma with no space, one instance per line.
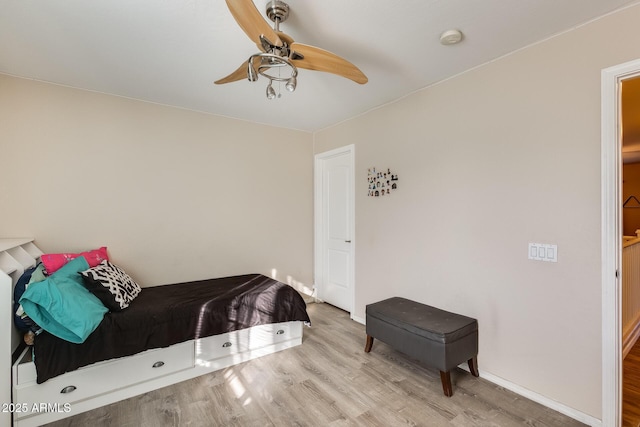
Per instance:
(285,38)
(239,74)
(322,60)
(251,21)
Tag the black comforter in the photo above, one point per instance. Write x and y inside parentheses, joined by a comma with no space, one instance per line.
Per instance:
(165,315)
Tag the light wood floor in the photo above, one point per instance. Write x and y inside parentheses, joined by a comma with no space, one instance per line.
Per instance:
(631,388)
(327,381)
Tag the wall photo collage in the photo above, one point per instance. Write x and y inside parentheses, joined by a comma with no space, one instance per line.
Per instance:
(381,182)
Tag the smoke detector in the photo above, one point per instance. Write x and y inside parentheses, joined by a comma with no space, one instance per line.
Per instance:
(450,37)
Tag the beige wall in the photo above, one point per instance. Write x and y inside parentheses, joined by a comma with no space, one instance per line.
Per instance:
(175,195)
(503,155)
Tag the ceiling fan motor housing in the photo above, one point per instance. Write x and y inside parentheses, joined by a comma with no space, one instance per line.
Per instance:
(277,11)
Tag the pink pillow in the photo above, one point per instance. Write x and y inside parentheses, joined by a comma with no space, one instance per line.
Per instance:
(53,262)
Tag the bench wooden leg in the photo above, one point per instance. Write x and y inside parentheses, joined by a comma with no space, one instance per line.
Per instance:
(473,366)
(367,347)
(445,378)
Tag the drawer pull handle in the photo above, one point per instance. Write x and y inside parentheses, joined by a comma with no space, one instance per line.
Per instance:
(227,344)
(68,389)
(158,364)
(280,332)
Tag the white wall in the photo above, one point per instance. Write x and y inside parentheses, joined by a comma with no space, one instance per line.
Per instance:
(175,195)
(503,155)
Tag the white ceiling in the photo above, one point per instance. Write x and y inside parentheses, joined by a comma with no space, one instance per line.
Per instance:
(171,51)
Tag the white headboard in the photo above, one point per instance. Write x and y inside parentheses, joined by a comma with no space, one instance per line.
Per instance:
(16,255)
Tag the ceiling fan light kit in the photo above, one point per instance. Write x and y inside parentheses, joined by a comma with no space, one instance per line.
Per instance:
(267,62)
(279,51)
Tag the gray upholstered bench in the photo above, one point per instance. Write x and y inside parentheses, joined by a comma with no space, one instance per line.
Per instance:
(438,338)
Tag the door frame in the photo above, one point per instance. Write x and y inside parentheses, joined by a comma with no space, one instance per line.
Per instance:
(611,232)
(319,225)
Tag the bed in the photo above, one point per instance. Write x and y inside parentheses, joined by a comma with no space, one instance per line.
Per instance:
(168,334)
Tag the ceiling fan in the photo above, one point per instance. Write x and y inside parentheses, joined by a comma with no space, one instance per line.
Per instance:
(279,51)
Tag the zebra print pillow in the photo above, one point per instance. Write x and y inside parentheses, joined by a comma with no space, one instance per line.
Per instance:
(115,288)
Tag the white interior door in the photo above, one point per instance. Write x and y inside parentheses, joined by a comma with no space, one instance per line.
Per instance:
(335,227)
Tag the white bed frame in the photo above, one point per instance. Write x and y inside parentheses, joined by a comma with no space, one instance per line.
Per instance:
(27,403)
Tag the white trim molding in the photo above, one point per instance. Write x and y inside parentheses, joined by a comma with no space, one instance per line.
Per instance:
(611,184)
(358,319)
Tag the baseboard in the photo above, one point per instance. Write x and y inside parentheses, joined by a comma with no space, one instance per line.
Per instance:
(543,400)
(358,319)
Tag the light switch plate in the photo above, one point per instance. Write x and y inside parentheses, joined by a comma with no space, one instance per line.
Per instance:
(543,252)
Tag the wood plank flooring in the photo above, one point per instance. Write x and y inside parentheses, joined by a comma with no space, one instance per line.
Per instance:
(327,381)
(631,387)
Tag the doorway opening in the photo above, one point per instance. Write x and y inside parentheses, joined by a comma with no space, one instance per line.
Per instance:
(611,232)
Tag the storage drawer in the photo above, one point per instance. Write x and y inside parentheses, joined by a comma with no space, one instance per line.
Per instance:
(218,346)
(106,376)
(273,334)
(278,332)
